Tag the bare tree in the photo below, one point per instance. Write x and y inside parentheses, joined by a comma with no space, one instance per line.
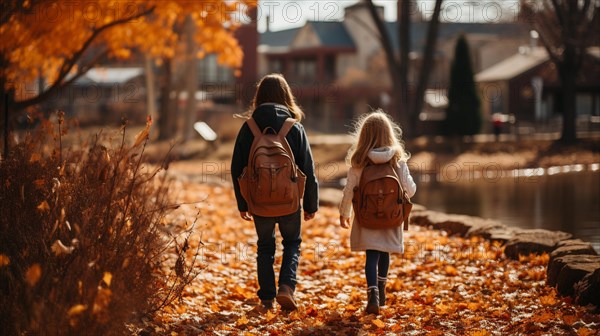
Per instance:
(407,105)
(567,28)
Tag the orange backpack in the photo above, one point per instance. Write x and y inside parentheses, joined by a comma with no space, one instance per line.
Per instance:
(272,184)
(379,201)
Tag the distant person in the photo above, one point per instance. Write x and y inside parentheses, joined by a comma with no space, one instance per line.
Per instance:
(377,142)
(497,122)
(271,160)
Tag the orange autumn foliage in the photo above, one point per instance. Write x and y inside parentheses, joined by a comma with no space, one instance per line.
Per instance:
(460,287)
(58,40)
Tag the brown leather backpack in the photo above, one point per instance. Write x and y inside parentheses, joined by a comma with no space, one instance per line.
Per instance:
(379,201)
(272,184)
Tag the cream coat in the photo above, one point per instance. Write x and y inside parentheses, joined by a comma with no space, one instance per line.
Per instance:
(361,239)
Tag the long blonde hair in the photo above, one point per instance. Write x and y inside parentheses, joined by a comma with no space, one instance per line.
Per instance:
(273,88)
(374,130)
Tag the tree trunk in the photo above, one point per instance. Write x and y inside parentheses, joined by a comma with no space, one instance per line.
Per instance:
(568,73)
(191,81)
(6,108)
(393,67)
(404,42)
(569,127)
(150,91)
(166,118)
(425,71)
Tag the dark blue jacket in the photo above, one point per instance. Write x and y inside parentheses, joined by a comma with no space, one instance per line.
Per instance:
(274,116)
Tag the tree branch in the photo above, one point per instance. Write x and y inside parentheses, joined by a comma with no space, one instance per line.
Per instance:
(70,62)
(366,27)
(53,88)
(385,39)
(553,56)
(8,12)
(430,46)
(559,12)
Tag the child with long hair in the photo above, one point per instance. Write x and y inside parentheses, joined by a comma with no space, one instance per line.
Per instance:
(272,107)
(377,141)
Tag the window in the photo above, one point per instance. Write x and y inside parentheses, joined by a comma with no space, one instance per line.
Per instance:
(305,69)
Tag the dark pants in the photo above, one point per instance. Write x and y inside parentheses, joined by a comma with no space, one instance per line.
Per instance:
(378,264)
(289,227)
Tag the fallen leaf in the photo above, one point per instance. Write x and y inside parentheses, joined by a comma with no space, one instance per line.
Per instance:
(143,135)
(242,320)
(43,207)
(59,248)
(33,274)
(4,260)
(107,278)
(583,331)
(548,300)
(35,157)
(379,323)
(451,270)
(77,309)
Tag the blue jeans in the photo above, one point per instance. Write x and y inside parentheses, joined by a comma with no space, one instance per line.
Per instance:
(289,227)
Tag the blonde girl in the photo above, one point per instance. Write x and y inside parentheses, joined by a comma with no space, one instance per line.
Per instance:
(377,139)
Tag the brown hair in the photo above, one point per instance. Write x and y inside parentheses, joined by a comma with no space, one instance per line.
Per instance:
(374,130)
(273,88)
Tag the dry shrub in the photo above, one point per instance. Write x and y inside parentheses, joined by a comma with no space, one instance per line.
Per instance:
(82,238)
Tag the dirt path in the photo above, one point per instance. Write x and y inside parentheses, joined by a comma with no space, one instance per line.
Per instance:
(441,286)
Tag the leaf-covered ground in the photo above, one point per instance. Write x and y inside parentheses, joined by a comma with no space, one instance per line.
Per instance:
(440,286)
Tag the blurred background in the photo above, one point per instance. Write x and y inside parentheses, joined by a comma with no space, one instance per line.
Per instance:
(499,101)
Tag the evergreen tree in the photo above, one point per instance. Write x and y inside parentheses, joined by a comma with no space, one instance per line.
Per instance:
(463,116)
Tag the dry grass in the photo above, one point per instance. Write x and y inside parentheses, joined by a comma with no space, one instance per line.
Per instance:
(81,237)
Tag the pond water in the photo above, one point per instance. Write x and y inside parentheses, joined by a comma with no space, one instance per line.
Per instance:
(568,202)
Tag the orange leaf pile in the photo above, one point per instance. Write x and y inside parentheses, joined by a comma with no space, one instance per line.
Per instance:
(441,285)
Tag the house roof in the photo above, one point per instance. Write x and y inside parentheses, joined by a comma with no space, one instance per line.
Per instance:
(332,34)
(335,33)
(449,30)
(280,38)
(106,75)
(513,66)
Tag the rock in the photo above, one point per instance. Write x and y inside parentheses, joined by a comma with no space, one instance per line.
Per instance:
(575,271)
(535,241)
(418,208)
(330,197)
(419,218)
(570,242)
(502,235)
(563,272)
(485,228)
(573,247)
(587,291)
(453,224)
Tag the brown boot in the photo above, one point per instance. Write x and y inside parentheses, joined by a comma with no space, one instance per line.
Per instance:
(285,298)
(267,304)
(372,301)
(381,282)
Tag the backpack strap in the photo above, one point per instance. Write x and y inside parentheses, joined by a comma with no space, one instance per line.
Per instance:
(253,127)
(287,126)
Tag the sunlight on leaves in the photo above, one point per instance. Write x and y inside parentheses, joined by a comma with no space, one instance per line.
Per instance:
(33,274)
(4,260)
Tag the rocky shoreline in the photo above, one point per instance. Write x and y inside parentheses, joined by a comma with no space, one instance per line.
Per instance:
(573,268)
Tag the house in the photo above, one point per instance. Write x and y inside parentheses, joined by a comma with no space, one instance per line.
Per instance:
(103,95)
(526,87)
(338,70)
